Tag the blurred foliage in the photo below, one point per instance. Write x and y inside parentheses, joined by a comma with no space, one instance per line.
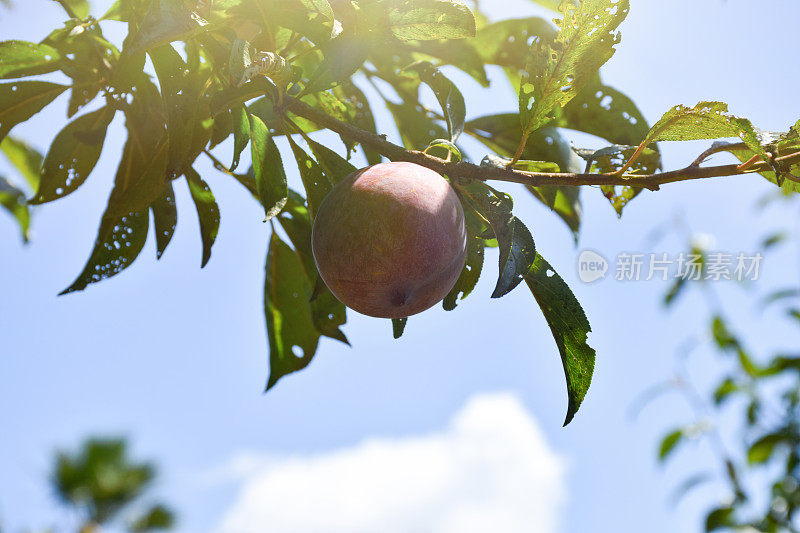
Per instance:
(760,464)
(101,482)
(235,69)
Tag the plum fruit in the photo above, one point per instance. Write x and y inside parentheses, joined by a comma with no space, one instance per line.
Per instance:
(389,240)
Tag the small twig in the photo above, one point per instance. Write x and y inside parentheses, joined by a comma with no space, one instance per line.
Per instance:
(520,149)
(749,163)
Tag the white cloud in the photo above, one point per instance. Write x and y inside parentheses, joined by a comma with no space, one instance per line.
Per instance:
(490,469)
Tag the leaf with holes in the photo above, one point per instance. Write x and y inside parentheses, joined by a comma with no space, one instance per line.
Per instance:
(507,43)
(293,339)
(165,219)
(207,212)
(706,120)
(431,20)
(26,159)
(13,200)
(558,70)
(21,58)
(21,100)
(268,168)
(570,329)
(73,155)
(119,241)
(517,249)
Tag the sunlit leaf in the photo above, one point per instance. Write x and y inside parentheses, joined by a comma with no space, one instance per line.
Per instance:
(293,339)
(762,449)
(268,168)
(207,212)
(558,70)
(165,219)
(73,155)
(448,95)
(13,200)
(26,159)
(20,100)
(21,58)
(570,328)
(315,181)
(119,241)
(431,19)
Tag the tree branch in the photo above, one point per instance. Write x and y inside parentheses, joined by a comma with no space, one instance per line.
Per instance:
(536,179)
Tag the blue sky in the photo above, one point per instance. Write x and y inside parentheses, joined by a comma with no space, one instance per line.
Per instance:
(175,357)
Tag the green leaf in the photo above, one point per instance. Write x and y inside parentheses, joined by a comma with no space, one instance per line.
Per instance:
(448,95)
(399,327)
(570,329)
(157,517)
(165,22)
(13,200)
(293,339)
(241,133)
(362,115)
(26,159)
(327,313)
(21,58)
(431,20)
(336,167)
(343,56)
(79,7)
(501,133)
(268,168)
(180,92)
(73,155)
(416,128)
(517,249)
(557,71)
(722,335)
(207,211)
(446,145)
(719,518)
(119,241)
(706,120)
(142,172)
(165,219)
(474,264)
(762,449)
(669,443)
(20,100)
(725,390)
(315,181)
